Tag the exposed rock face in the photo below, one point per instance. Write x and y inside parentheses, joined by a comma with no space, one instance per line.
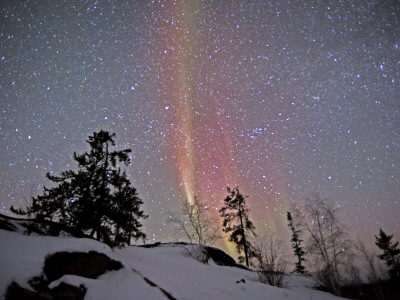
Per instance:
(61,292)
(220,257)
(43,227)
(217,255)
(6,224)
(90,265)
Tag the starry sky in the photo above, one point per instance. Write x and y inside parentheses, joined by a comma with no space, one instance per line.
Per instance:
(282,98)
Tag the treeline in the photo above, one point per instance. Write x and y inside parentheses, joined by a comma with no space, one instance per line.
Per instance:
(321,244)
(100,201)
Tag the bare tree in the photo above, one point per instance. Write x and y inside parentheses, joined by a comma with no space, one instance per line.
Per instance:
(374,270)
(270,261)
(329,247)
(194,224)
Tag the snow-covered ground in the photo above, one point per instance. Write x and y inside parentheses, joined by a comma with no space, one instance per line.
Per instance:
(166,266)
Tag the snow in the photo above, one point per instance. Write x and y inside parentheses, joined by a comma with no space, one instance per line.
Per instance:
(167,266)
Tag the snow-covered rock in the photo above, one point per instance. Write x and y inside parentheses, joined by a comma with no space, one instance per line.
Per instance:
(163,272)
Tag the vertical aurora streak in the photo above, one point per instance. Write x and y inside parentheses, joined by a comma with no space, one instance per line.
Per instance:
(180,95)
(205,163)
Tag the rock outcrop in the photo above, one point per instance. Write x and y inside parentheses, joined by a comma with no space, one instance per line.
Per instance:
(89,265)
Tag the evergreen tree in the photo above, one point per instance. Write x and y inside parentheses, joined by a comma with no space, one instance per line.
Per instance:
(97,199)
(236,222)
(296,244)
(391,253)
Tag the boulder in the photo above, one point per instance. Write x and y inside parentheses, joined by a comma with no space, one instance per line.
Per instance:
(63,291)
(90,265)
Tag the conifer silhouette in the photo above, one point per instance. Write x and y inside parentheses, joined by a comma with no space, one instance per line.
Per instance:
(296,244)
(97,199)
(237,223)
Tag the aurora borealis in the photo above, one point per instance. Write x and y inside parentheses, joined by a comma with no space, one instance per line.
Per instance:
(282,98)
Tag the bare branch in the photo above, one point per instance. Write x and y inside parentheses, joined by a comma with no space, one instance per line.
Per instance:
(193,223)
(271,261)
(328,244)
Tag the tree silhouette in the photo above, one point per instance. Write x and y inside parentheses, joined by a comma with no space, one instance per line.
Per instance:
(296,244)
(193,223)
(391,253)
(328,247)
(97,199)
(271,261)
(236,222)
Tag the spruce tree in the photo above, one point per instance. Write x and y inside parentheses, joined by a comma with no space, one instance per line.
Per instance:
(296,244)
(236,222)
(97,199)
(391,253)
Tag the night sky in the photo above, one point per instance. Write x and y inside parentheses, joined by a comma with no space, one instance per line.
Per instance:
(282,98)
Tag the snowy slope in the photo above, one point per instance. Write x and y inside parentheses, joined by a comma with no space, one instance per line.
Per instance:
(148,273)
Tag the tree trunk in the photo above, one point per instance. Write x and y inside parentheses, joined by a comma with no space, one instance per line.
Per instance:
(244,236)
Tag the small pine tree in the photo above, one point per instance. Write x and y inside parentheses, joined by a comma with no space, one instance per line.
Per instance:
(296,244)
(391,253)
(237,223)
(97,199)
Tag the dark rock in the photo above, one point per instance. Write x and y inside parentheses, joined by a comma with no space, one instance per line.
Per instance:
(63,291)
(217,255)
(38,283)
(151,283)
(151,245)
(240,266)
(90,265)
(50,228)
(157,244)
(15,292)
(220,257)
(66,291)
(6,225)
(41,227)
